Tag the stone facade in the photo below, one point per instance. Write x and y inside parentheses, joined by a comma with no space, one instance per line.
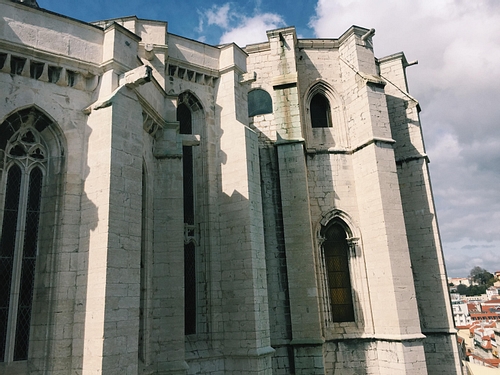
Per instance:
(171,207)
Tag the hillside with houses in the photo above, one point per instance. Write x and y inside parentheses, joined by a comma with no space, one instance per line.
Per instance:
(477,319)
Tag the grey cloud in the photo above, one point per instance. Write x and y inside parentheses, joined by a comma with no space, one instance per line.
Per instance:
(457,44)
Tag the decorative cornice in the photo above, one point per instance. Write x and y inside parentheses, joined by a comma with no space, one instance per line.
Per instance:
(318,43)
(412,158)
(362,145)
(258,47)
(53,58)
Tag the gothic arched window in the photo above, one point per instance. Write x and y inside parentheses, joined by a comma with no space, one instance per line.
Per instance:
(320,111)
(336,255)
(23,157)
(184,116)
(259,102)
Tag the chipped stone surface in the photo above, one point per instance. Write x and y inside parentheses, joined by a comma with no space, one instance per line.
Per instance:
(109,285)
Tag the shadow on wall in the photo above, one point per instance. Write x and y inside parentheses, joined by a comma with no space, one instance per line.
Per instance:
(320,173)
(424,251)
(89,222)
(426,256)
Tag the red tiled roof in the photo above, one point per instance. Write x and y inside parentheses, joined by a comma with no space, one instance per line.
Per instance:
(487,345)
(492,362)
(471,307)
(492,302)
(485,316)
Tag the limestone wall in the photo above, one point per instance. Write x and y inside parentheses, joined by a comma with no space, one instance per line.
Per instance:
(109,286)
(420,219)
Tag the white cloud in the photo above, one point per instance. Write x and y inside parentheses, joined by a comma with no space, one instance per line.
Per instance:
(465,254)
(219,16)
(253,29)
(457,43)
(237,27)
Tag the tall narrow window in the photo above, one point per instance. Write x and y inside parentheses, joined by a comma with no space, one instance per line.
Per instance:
(24,161)
(336,254)
(185,121)
(143,290)
(320,112)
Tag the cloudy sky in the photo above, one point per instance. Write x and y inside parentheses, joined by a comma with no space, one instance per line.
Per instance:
(457,44)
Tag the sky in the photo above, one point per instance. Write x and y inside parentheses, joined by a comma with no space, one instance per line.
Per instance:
(457,45)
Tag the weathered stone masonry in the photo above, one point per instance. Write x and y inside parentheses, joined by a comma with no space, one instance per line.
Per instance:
(311,245)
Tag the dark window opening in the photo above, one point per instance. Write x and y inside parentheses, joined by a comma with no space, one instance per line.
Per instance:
(184,117)
(199,78)
(28,266)
(28,137)
(142,293)
(187,153)
(10,243)
(171,70)
(181,72)
(3,58)
(7,247)
(24,154)
(71,78)
(320,112)
(259,102)
(17,65)
(189,289)
(37,153)
(336,253)
(36,69)
(54,73)
(17,150)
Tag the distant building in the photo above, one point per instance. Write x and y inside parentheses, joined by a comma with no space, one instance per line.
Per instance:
(476,299)
(493,291)
(460,311)
(456,281)
(496,349)
(491,305)
(483,338)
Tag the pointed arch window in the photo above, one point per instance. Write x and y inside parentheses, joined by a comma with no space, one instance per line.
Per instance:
(336,256)
(321,116)
(23,160)
(184,117)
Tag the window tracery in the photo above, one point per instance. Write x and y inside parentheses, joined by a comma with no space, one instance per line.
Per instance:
(24,157)
(336,254)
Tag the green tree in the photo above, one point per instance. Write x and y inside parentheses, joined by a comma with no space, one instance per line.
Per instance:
(481,276)
(462,289)
(475,290)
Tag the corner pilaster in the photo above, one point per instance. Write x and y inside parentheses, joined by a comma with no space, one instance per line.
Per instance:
(113,185)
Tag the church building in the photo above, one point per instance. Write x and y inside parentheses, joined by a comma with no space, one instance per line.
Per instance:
(171,207)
